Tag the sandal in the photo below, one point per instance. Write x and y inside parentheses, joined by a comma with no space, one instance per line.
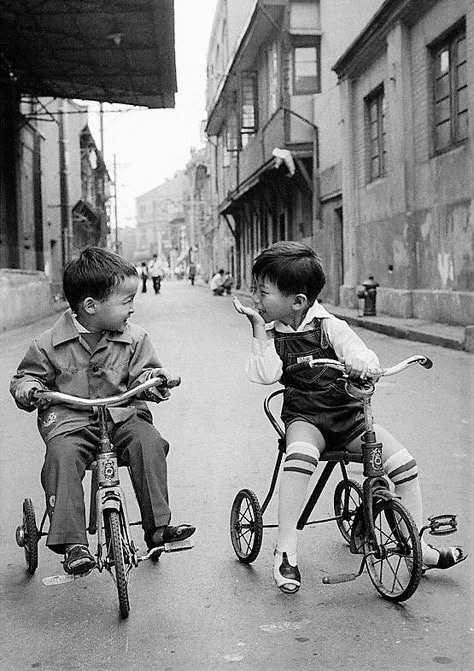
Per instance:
(447,557)
(286,576)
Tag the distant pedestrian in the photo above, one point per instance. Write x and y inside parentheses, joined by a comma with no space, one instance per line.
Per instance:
(192,272)
(144,276)
(217,282)
(227,283)
(157,273)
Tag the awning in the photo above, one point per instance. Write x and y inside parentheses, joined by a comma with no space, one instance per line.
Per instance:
(116,51)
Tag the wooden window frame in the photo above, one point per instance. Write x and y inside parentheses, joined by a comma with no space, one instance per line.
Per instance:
(248,99)
(375,141)
(305,42)
(456,117)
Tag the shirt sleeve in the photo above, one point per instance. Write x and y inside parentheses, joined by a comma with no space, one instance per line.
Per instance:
(35,370)
(143,362)
(347,344)
(263,364)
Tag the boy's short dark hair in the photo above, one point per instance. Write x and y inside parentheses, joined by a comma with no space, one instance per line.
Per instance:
(293,267)
(95,272)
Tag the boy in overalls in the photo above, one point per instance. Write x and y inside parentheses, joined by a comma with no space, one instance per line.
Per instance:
(289,326)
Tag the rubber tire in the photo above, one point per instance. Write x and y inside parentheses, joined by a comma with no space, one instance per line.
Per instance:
(246,526)
(355,500)
(30,531)
(116,549)
(390,518)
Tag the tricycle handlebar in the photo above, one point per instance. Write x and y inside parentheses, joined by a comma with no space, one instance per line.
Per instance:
(56,397)
(382,372)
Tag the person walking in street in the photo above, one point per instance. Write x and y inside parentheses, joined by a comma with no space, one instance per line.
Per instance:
(288,326)
(144,276)
(192,272)
(156,271)
(217,282)
(94,351)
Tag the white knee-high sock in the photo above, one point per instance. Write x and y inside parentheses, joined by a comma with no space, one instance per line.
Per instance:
(402,470)
(300,463)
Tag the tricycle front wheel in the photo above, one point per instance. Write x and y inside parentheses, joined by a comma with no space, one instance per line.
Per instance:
(394,560)
(115,555)
(246,526)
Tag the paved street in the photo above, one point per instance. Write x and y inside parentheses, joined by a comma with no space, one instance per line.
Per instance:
(202,610)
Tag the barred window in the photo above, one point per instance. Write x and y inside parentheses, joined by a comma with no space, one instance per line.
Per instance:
(248,125)
(375,133)
(450,93)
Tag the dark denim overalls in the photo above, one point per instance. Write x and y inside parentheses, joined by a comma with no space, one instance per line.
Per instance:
(317,395)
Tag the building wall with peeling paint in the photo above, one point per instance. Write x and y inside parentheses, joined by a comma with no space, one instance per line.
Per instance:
(413,227)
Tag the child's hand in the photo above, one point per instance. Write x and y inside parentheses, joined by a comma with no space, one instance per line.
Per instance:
(357,368)
(251,314)
(29,398)
(171,379)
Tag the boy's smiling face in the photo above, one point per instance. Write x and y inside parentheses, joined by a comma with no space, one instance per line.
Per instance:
(271,303)
(113,313)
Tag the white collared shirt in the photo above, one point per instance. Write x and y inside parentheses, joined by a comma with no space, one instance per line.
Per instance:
(265,366)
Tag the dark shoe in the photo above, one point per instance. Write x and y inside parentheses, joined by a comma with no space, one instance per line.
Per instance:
(447,557)
(78,560)
(286,576)
(155,538)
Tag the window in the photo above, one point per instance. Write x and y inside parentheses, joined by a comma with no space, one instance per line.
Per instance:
(232,132)
(272,69)
(450,95)
(248,122)
(306,65)
(375,133)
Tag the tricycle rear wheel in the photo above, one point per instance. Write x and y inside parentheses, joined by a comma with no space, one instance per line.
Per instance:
(347,499)
(27,536)
(246,526)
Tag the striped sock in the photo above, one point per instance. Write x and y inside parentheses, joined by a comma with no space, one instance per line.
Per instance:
(402,470)
(300,463)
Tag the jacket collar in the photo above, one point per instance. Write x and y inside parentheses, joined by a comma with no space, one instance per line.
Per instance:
(316,311)
(64,330)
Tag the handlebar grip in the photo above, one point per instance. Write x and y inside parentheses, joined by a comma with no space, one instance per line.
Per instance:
(427,363)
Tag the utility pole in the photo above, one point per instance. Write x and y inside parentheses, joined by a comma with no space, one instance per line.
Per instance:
(66,219)
(117,243)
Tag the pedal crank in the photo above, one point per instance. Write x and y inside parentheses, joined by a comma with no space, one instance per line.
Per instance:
(343,577)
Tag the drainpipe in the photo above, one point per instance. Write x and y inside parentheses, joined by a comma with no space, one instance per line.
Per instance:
(66,220)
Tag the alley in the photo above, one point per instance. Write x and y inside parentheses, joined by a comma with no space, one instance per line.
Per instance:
(203,610)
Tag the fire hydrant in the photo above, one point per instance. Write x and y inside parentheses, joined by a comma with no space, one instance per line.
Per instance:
(368,292)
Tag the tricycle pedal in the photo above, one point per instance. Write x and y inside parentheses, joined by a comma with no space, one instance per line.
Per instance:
(339,577)
(178,546)
(441,525)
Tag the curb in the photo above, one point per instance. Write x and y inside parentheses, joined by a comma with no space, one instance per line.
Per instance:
(402,332)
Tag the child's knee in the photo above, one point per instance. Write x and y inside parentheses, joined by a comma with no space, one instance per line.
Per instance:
(301,457)
(401,467)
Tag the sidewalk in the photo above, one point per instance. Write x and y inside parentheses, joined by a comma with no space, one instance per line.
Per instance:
(444,335)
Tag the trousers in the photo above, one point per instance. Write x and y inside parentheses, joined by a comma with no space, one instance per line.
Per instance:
(139,445)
